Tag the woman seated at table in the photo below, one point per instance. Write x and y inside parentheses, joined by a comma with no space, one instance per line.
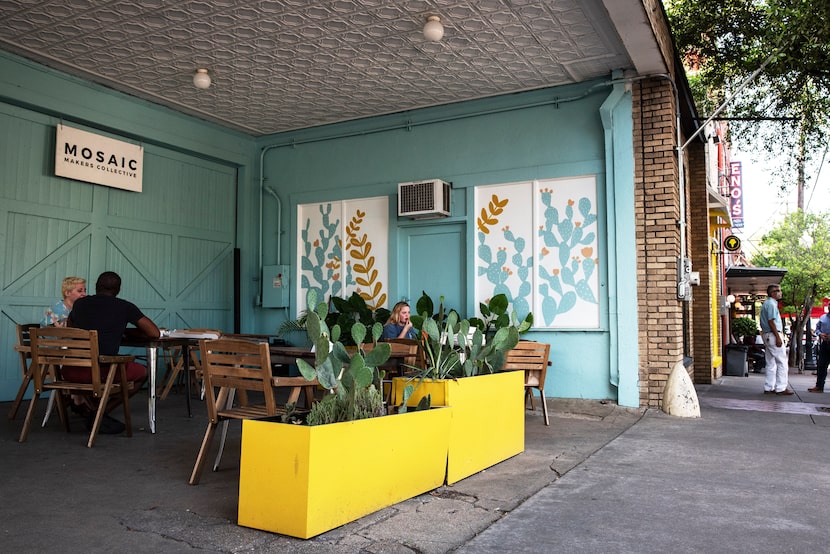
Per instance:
(398,325)
(72,288)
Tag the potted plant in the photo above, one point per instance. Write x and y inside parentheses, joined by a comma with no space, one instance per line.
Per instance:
(494,316)
(744,327)
(304,479)
(343,312)
(463,371)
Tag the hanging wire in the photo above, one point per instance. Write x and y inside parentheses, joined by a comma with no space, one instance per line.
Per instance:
(815,183)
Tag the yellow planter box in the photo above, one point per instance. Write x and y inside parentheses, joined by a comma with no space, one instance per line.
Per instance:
(488,418)
(302,481)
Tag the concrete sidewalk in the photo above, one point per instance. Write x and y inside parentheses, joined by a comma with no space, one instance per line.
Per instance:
(750,475)
(599,478)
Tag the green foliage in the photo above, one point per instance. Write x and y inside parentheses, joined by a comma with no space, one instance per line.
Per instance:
(367,403)
(352,311)
(459,350)
(352,378)
(345,313)
(425,308)
(801,244)
(423,404)
(494,316)
(744,326)
(726,41)
(293,325)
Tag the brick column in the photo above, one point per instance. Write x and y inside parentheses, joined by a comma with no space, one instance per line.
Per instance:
(703,331)
(657,205)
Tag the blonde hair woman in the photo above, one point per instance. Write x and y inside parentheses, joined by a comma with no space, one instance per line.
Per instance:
(72,288)
(398,325)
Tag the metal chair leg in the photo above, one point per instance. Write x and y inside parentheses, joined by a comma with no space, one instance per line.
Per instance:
(50,406)
(224,432)
(544,406)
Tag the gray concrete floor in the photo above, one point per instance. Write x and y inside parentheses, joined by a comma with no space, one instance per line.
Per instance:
(749,476)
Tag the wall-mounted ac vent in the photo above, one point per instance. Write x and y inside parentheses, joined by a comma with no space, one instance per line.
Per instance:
(424,199)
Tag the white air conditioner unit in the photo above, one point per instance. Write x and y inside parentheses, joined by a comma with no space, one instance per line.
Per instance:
(424,199)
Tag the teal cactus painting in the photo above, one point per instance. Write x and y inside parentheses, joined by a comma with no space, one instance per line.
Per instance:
(537,244)
(321,254)
(344,249)
(567,259)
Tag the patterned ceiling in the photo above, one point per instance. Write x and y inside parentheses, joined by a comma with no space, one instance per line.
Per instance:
(278,65)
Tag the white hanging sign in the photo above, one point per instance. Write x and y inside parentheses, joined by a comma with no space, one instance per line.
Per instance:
(96,159)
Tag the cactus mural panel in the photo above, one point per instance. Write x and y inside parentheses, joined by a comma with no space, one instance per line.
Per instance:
(343,248)
(537,243)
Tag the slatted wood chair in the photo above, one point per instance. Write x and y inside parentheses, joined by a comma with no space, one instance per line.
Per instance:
(175,365)
(532,358)
(402,361)
(24,351)
(231,365)
(54,347)
(414,355)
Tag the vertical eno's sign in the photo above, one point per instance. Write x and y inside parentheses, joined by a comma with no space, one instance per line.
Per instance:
(95,159)
(736,195)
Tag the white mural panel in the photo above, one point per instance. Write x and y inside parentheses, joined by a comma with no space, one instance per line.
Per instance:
(537,243)
(344,249)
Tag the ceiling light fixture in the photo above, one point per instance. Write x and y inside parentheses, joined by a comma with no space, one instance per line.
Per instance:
(201,79)
(433,30)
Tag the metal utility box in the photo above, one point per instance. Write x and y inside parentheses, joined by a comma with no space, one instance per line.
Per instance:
(275,286)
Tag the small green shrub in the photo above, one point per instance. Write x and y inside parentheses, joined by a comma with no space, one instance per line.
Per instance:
(744,326)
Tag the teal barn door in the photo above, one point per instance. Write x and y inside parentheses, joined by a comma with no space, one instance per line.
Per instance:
(173,243)
(433,259)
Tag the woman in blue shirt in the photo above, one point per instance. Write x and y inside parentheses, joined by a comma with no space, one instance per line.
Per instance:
(398,325)
(72,288)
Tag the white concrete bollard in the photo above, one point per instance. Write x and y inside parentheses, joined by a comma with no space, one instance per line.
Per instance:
(679,395)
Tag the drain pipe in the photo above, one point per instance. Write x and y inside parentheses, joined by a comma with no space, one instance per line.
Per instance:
(263,189)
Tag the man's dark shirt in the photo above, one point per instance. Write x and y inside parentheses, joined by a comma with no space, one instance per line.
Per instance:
(108,315)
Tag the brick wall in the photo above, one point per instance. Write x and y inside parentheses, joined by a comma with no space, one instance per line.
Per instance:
(700,252)
(657,206)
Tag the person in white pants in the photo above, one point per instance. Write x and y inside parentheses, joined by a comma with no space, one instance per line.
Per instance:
(777,369)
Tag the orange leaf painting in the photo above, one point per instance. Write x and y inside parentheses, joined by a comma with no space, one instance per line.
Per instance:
(487,220)
(360,249)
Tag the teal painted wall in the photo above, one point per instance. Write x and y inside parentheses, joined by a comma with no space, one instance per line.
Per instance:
(535,135)
(561,132)
(173,243)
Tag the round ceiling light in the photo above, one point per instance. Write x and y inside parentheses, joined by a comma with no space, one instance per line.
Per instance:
(201,79)
(433,30)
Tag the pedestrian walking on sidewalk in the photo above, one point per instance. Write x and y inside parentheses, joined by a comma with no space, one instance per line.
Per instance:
(777,369)
(823,332)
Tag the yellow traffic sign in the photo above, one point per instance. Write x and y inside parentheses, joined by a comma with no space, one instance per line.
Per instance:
(732,243)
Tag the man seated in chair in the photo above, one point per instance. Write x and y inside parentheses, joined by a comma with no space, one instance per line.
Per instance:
(109,315)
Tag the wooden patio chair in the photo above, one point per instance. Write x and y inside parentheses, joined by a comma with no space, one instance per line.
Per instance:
(24,351)
(175,365)
(54,347)
(414,356)
(231,365)
(402,361)
(532,358)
